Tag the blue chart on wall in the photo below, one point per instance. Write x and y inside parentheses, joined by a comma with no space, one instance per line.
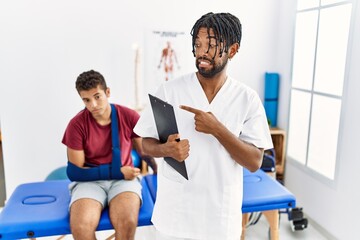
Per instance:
(271,97)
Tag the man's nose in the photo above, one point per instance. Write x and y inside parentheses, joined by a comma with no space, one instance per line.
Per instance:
(93,104)
(203,50)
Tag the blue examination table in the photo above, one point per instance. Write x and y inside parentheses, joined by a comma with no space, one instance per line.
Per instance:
(262,193)
(41,208)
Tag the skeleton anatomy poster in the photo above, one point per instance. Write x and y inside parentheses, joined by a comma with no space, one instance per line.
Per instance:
(164,57)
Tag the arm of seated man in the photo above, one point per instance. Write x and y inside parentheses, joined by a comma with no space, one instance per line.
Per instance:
(77,171)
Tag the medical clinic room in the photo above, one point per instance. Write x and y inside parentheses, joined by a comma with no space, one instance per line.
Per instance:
(179,120)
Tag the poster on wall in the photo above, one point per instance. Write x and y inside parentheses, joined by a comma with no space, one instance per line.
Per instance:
(164,57)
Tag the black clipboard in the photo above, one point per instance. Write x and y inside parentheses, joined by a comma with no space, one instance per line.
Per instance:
(166,125)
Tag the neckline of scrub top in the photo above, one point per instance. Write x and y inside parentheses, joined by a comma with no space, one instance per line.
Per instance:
(204,99)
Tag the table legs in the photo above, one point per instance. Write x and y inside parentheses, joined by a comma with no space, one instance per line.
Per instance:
(272,217)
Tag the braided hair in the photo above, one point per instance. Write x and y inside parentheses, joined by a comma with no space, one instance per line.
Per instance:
(226,27)
(89,80)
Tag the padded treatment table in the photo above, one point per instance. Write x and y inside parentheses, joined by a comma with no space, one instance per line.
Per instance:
(262,193)
(41,209)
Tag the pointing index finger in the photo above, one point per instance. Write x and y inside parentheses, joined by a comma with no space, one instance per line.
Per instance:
(190,109)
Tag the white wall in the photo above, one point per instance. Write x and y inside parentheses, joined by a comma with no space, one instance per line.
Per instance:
(333,205)
(44,45)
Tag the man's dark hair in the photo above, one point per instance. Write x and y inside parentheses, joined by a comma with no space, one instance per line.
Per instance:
(226,27)
(89,80)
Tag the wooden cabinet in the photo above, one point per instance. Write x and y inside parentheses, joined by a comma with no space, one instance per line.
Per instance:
(279,140)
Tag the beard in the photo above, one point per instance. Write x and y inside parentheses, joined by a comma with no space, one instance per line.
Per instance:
(216,68)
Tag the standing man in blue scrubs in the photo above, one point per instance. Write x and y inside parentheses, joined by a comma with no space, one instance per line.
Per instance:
(222,128)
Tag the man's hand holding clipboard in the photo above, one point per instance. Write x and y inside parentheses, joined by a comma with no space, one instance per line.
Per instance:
(178,149)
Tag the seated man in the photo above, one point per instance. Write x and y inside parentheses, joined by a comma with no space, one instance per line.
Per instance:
(101,172)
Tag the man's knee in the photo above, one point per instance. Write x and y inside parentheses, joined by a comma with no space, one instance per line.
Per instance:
(125,221)
(125,227)
(84,215)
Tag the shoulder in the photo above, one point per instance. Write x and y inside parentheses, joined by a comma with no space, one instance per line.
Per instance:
(125,110)
(80,123)
(242,89)
(180,81)
(127,114)
(80,117)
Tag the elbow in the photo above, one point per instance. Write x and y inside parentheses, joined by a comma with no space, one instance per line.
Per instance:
(254,168)
(147,147)
(257,162)
(145,151)
(140,147)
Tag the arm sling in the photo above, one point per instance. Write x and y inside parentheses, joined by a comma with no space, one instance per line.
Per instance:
(103,171)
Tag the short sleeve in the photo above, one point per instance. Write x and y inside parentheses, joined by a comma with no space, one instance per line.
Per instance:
(146,126)
(256,129)
(73,136)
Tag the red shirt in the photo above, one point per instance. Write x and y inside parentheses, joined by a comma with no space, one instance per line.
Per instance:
(84,133)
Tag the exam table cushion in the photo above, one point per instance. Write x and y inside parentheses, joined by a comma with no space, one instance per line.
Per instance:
(261,192)
(41,209)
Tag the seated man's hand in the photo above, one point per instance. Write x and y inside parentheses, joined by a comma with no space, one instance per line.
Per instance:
(130,172)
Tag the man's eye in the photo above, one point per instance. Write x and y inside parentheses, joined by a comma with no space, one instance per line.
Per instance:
(213,45)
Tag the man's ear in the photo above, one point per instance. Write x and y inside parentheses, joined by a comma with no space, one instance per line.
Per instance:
(107,92)
(233,50)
